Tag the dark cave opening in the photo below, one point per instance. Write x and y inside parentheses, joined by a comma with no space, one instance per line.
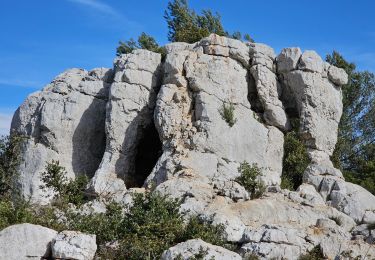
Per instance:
(252,95)
(149,150)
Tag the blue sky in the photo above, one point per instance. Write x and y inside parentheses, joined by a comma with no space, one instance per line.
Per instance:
(41,38)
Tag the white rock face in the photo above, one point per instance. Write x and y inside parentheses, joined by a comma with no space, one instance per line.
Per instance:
(161,124)
(64,122)
(74,245)
(197,247)
(189,116)
(25,241)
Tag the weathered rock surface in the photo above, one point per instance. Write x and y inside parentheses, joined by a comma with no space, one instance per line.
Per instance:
(74,245)
(64,122)
(25,241)
(132,97)
(161,124)
(197,247)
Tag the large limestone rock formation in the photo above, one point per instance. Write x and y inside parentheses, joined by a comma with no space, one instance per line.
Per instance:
(160,124)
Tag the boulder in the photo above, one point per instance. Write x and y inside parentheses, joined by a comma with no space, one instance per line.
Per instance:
(199,249)
(337,75)
(354,201)
(26,241)
(288,59)
(74,245)
(311,61)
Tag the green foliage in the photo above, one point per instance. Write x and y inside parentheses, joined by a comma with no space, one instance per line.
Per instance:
(355,149)
(251,256)
(14,213)
(295,161)
(144,42)
(227,113)
(371,226)
(151,225)
(197,228)
(238,36)
(337,220)
(154,224)
(249,179)
(186,26)
(314,254)
(9,160)
(66,191)
(106,226)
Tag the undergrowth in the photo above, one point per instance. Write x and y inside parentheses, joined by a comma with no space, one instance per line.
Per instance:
(227,112)
(249,179)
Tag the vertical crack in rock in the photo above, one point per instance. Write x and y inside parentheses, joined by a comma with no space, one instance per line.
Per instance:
(130,111)
(253,97)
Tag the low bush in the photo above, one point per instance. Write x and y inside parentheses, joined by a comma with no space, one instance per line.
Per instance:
(314,254)
(14,213)
(295,161)
(249,179)
(66,191)
(227,113)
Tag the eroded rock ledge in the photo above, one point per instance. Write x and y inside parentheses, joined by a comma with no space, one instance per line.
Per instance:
(159,124)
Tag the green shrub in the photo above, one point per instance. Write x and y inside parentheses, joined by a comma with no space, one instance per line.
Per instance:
(371,226)
(66,191)
(14,213)
(196,228)
(152,225)
(314,254)
(295,161)
(144,42)
(227,113)
(9,160)
(251,256)
(106,226)
(249,178)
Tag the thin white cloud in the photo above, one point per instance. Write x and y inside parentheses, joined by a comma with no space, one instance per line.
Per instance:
(21,83)
(98,6)
(5,120)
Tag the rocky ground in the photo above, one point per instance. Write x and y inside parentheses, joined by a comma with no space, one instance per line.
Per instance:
(158,122)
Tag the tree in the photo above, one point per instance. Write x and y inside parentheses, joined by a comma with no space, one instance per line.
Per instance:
(144,42)
(9,159)
(238,36)
(186,26)
(295,161)
(355,149)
